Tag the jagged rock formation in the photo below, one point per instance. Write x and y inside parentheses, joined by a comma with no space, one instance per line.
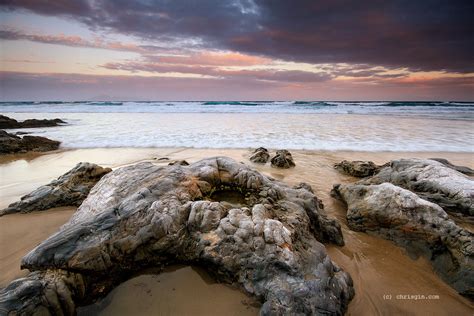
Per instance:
(432,181)
(260,155)
(423,227)
(283,159)
(68,190)
(7,122)
(247,229)
(357,168)
(12,144)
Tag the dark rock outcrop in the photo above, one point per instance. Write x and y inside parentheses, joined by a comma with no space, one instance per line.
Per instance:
(423,227)
(179,162)
(432,181)
(260,155)
(462,169)
(245,228)
(12,144)
(9,123)
(68,190)
(283,159)
(357,168)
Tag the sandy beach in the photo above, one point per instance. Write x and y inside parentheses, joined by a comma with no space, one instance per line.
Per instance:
(377,266)
(236,158)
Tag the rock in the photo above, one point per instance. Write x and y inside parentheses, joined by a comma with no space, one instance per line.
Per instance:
(245,228)
(283,159)
(423,227)
(432,181)
(462,169)
(6,123)
(359,169)
(179,162)
(260,155)
(70,189)
(12,144)
(303,185)
(43,293)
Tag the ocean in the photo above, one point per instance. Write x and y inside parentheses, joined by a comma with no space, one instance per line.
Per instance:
(314,125)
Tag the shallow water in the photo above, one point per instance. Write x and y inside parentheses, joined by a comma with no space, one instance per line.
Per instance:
(378,267)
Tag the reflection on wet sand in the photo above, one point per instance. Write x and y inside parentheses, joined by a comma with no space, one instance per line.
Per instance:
(380,270)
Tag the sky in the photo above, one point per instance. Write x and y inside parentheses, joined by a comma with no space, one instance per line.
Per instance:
(236,50)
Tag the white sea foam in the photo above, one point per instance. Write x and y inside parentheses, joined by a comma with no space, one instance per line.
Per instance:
(445,110)
(243,130)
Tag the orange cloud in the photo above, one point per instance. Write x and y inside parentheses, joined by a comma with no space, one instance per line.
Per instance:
(216,59)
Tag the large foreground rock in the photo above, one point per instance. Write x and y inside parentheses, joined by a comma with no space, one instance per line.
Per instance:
(431,180)
(245,228)
(12,144)
(7,122)
(423,227)
(68,190)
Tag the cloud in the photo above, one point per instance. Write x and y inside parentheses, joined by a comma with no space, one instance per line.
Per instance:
(417,35)
(218,72)
(47,7)
(33,86)
(70,40)
(213,59)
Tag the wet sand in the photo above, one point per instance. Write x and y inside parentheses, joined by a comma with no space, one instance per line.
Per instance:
(179,290)
(19,233)
(380,269)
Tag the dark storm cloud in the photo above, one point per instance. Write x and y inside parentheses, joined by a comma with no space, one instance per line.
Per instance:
(419,35)
(50,7)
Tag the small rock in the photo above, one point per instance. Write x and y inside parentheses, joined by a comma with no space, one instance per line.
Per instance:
(357,168)
(179,162)
(260,155)
(283,159)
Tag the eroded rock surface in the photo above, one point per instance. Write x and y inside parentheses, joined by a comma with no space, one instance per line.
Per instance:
(431,180)
(462,169)
(7,122)
(68,190)
(260,155)
(243,227)
(283,159)
(12,144)
(357,168)
(423,227)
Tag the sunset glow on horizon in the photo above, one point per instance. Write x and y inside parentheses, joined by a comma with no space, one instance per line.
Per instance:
(238,50)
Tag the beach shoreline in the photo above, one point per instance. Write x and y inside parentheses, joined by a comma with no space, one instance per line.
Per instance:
(377,266)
